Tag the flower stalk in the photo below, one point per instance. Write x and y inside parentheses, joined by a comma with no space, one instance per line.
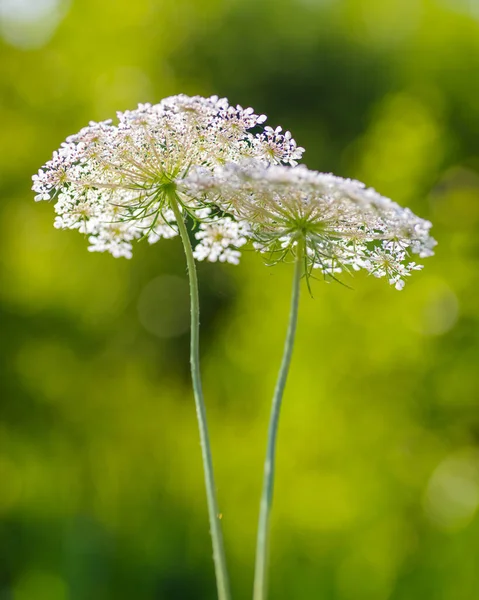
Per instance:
(260,589)
(222,579)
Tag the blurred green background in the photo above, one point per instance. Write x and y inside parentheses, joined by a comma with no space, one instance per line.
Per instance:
(101,485)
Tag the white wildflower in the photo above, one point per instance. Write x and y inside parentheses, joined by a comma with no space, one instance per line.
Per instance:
(342,225)
(115,182)
(219,238)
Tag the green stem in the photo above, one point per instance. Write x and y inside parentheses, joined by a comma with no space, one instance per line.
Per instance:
(222,580)
(260,589)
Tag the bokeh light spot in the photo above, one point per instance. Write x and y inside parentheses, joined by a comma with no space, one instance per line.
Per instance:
(452,494)
(30,23)
(435,310)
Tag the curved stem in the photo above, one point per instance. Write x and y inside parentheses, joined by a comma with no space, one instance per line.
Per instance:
(260,589)
(222,580)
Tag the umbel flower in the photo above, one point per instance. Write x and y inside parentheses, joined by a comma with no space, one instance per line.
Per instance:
(115,182)
(340,224)
(120,182)
(323,222)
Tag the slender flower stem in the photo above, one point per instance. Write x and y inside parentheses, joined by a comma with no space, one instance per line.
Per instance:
(222,580)
(260,589)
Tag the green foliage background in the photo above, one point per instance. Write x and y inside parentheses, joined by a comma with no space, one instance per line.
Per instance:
(101,489)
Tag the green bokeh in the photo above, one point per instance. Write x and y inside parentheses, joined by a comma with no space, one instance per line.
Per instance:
(101,486)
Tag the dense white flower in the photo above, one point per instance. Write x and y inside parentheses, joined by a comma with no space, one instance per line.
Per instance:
(341,224)
(218,237)
(115,182)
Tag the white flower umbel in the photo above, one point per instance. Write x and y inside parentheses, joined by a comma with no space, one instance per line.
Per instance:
(218,238)
(114,182)
(324,222)
(342,225)
(117,183)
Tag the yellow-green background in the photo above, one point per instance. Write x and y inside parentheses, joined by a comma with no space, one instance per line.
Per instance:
(101,489)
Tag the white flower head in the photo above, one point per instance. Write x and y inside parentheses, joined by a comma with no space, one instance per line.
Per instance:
(341,224)
(219,239)
(113,182)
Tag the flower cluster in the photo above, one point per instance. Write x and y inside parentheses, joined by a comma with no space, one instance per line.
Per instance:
(115,182)
(339,224)
(237,179)
(219,239)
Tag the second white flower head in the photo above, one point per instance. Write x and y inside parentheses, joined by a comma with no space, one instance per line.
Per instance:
(341,224)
